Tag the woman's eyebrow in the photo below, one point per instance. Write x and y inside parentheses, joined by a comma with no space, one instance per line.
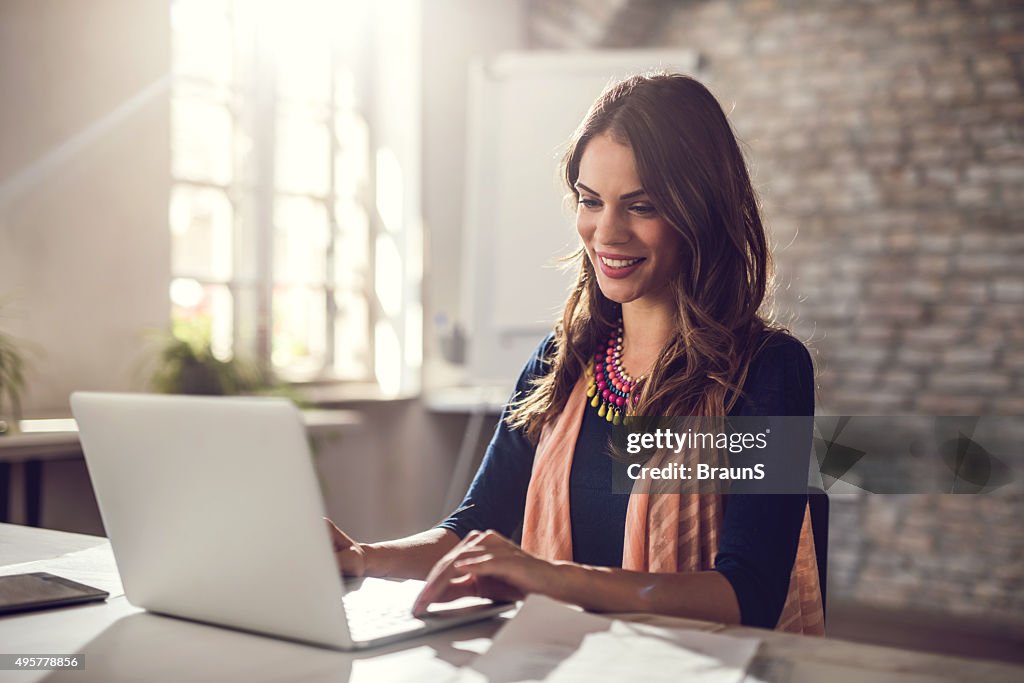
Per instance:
(628,195)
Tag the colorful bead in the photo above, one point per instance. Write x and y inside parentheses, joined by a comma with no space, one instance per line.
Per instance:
(610,388)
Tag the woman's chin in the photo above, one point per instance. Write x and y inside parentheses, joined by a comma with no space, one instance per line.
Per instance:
(622,295)
(619,295)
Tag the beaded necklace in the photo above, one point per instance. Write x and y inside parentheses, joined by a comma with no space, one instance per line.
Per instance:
(610,387)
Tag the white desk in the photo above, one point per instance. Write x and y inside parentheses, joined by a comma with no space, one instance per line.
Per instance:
(123,643)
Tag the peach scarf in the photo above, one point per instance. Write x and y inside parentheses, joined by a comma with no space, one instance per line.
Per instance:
(668,532)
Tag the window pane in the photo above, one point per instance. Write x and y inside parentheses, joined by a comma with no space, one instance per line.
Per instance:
(303,154)
(203,314)
(300,241)
(388,275)
(246,327)
(345,95)
(351,337)
(299,330)
(387,358)
(352,250)
(248,239)
(201,140)
(352,164)
(303,65)
(202,40)
(201,232)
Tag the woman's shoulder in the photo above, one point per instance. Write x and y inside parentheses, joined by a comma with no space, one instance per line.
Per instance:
(780,379)
(778,348)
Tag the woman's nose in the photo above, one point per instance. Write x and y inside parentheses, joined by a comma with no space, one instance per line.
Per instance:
(610,228)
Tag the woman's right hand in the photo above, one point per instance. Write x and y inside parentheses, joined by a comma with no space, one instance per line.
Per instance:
(349,554)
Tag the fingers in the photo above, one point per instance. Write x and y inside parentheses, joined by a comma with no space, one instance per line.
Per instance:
(483,564)
(446,582)
(453,589)
(347,553)
(339,539)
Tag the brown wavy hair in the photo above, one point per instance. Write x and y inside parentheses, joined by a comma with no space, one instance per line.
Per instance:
(694,173)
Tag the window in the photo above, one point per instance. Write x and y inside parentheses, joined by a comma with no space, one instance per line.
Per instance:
(283,249)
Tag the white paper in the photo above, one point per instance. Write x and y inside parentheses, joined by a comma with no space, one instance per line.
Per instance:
(550,641)
(93,566)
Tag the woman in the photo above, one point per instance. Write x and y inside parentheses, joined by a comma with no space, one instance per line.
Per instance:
(663,320)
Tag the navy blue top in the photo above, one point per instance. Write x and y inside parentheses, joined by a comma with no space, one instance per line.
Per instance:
(759,539)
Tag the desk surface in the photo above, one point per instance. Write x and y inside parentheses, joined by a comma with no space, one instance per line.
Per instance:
(44,443)
(121,642)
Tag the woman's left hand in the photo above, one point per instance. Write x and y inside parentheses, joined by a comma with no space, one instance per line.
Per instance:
(487,565)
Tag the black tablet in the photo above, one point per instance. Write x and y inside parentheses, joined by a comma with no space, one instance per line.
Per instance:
(39,590)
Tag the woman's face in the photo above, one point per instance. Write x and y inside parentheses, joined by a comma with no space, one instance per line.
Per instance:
(633,249)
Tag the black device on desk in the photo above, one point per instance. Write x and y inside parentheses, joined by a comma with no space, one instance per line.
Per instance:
(40,590)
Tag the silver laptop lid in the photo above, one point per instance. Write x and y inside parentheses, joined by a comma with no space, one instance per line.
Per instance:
(213,510)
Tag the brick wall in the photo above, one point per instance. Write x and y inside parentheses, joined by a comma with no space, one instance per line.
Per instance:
(887,143)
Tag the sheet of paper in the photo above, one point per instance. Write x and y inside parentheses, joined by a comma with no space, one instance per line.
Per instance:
(93,566)
(550,641)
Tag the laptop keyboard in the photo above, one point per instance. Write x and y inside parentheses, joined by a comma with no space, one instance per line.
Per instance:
(370,616)
(376,608)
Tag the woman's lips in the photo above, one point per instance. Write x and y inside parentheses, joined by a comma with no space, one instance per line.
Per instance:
(621,271)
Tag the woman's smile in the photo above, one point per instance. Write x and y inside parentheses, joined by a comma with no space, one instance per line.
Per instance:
(618,266)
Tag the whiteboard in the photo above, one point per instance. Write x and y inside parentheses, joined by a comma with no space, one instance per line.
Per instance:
(523,108)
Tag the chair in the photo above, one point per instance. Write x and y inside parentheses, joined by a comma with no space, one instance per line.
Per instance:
(817,499)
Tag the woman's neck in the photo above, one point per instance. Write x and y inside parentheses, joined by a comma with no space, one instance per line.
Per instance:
(646,330)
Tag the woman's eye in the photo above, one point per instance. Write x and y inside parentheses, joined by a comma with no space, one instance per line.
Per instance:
(644,209)
(589,203)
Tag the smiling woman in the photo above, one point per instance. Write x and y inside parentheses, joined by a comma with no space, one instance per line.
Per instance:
(663,321)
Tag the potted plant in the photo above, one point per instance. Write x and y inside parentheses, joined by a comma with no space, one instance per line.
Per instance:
(186,364)
(12,383)
(190,367)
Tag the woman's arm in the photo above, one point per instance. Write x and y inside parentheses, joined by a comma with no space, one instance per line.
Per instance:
(404,558)
(698,595)
(489,565)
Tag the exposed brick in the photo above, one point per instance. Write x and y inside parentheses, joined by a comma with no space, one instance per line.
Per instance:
(1010,291)
(967,357)
(968,292)
(986,264)
(972,195)
(916,356)
(1009,406)
(1013,359)
(970,381)
(935,335)
(993,65)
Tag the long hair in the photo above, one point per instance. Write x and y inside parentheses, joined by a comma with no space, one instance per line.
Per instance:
(694,173)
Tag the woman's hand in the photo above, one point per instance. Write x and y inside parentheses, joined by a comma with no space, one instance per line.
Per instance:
(487,565)
(350,555)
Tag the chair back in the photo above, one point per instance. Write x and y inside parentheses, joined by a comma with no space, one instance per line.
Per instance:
(818,501)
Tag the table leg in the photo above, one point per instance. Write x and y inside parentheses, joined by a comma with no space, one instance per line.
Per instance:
(5,491)
(33,491)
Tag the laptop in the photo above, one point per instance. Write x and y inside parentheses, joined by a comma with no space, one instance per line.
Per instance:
(214,514)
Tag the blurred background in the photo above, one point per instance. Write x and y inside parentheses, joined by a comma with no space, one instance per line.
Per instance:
(280,188)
